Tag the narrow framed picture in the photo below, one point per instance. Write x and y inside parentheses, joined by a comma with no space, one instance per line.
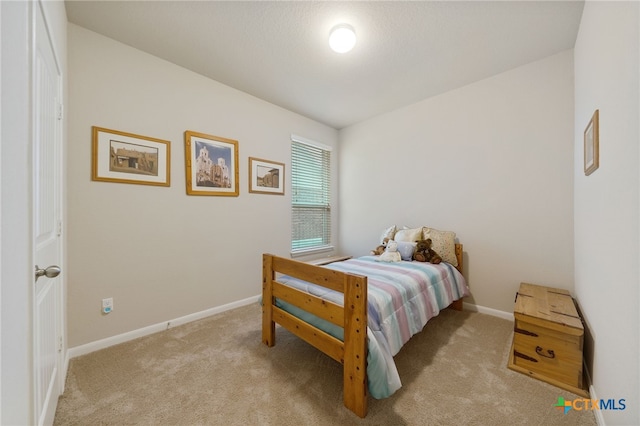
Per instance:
(266,177)
(592,144)
(212,165)
(128,158)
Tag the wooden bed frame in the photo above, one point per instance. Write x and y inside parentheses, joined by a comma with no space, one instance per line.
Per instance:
(352,353)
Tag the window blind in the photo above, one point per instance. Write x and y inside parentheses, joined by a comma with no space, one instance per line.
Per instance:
(310,196)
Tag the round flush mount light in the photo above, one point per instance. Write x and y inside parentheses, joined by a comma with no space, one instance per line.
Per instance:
(342,38)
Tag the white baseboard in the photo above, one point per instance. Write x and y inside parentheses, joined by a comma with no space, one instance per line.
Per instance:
(145,331)
(489,311)
(165,325)
(594,396)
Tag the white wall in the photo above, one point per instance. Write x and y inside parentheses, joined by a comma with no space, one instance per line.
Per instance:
(160,253)
(606,202)
(492,161)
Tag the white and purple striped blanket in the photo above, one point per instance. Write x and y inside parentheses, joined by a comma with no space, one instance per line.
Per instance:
(402,297)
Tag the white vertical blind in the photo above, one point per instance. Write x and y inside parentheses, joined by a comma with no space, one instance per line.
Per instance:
(310,196)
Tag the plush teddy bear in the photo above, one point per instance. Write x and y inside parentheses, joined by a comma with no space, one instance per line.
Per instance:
(391,253)
(380,249)
(424,252)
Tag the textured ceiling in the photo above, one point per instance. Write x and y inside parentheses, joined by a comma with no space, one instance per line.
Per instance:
(278,51)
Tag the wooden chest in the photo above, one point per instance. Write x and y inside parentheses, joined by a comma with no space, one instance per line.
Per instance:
(548,337)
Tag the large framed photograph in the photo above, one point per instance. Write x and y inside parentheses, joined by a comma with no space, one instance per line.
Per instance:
(128,158)
(212,165)
(266,177)
(591,145)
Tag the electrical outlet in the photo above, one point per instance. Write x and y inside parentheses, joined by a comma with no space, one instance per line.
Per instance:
(107,305)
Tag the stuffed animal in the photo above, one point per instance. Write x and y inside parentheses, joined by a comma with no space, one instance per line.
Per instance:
(380,249)
(424,252)
(391,253)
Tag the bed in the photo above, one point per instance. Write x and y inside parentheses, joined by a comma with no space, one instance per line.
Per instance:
(351,311)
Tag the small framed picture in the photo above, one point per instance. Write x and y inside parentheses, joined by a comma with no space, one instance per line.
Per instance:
(128,158)
(591,145)
(212,165)
(266,177)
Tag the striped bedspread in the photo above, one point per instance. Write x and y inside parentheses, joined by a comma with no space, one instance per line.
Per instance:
(402,297)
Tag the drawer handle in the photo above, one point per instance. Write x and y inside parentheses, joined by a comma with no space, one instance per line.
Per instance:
(525,332)
(550,352)
(523,356)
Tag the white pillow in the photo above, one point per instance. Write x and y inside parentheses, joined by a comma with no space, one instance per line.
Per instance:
(388,233)
(443,243)
(409,235)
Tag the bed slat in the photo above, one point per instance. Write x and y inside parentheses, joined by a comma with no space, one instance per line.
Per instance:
(322,276)
(317,306)
(314,336)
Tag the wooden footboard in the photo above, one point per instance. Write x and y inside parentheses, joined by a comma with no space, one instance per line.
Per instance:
(352,353)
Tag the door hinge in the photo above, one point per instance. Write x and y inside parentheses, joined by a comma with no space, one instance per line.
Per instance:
(59,230)
(60,111)
(60,344)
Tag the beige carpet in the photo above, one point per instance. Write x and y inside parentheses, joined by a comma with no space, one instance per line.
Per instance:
(217,372)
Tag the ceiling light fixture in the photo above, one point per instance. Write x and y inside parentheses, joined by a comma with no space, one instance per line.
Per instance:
(342,38)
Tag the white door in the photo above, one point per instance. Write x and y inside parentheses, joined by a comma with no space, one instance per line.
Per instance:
(47,193)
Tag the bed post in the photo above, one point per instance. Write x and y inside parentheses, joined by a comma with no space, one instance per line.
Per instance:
(458,304)
(459,257)
(355,344)
(268,326)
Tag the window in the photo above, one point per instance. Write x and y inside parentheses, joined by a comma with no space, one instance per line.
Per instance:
(310,196)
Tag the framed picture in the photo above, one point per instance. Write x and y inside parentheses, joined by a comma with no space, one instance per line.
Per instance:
(591,145)
(212,165)
(127,158)
(266,177)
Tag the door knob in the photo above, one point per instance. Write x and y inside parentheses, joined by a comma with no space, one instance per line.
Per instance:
(51,272)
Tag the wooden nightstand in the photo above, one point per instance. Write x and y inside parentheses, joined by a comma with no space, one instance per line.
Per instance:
(328,260)
(548,337)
